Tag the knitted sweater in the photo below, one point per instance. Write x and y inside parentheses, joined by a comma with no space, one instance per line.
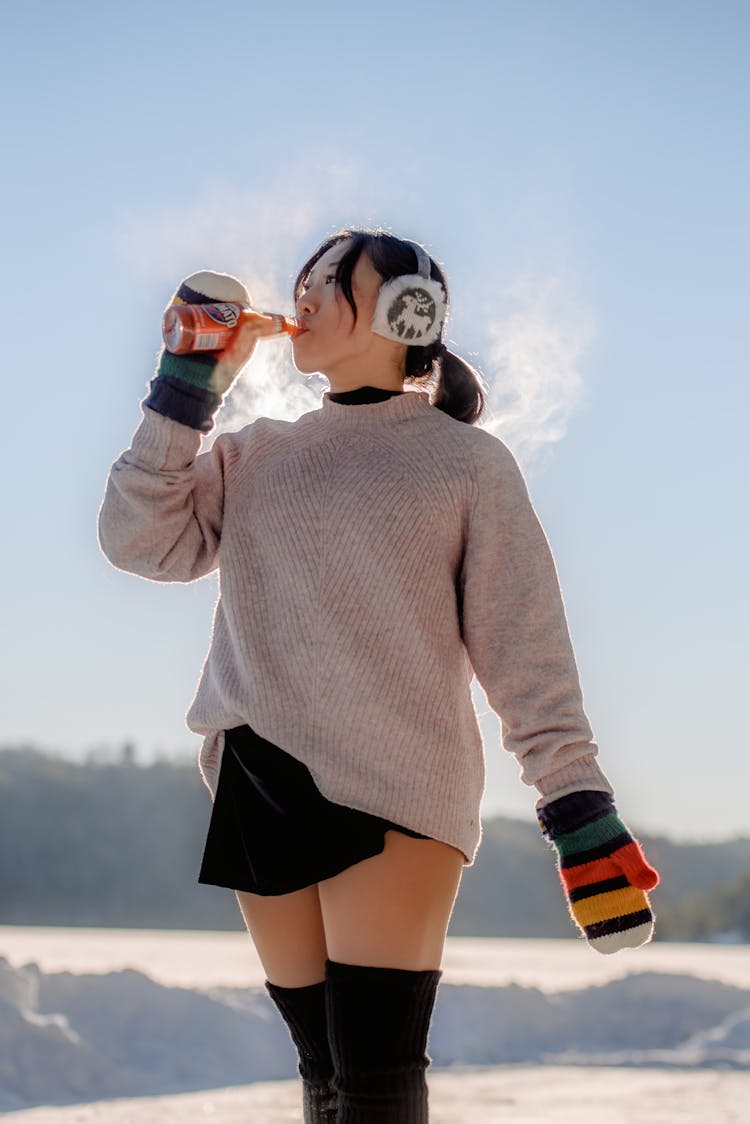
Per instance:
(372,560)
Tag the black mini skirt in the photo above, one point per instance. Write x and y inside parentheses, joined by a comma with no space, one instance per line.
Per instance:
(272,831)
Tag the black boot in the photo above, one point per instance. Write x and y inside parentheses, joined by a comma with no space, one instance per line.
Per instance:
(304,1011)
(378,1022)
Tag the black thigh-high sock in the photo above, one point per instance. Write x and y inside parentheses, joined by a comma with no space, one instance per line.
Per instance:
(304,1011)
(378,1023)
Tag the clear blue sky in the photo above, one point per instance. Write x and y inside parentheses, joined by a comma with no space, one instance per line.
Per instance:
(580,168)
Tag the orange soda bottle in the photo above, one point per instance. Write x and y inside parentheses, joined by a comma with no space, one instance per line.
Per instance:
(211,327)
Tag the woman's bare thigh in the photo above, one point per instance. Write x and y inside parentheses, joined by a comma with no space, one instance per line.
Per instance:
(287,931)
(393,910)
(389,911)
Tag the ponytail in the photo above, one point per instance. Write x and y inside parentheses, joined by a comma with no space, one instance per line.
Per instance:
(457,388)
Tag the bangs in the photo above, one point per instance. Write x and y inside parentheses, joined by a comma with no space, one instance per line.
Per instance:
(345,266)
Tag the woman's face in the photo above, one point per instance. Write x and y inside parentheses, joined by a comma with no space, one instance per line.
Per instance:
(332,340)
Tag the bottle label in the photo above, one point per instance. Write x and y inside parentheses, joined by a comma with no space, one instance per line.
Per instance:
(227,314)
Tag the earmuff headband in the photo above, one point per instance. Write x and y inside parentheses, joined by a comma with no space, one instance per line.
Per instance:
(423,260)
(411,308)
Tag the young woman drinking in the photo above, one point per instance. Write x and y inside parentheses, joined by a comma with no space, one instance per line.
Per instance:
(374,555)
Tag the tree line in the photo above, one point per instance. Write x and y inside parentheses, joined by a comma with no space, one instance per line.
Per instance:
(110,842)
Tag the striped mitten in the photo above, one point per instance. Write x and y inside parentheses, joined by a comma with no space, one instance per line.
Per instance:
(602,868)
(204,368)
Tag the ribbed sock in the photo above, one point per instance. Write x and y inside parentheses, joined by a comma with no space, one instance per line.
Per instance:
(378,1023)
(304,1011)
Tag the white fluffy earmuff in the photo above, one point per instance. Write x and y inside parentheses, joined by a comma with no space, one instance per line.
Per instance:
(411,309)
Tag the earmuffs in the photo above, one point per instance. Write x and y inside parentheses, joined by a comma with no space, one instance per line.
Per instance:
(411,309)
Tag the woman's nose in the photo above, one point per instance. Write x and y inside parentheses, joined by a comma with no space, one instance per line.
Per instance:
(305,302)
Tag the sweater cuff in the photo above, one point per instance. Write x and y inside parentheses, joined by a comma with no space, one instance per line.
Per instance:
(183,402)
(164,445)
(575,777)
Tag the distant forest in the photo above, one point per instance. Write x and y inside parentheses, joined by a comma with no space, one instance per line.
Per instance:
(116,843)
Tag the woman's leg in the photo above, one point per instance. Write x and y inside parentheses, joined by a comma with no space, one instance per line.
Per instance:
(390,911)
(393,910)
(385,922)
(287,930)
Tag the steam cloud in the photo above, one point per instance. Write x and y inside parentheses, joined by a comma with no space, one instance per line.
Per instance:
(531,351)
(532,367)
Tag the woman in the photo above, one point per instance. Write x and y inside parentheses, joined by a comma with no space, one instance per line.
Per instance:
(374,555)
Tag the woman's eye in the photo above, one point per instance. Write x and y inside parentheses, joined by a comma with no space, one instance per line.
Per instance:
(308,284)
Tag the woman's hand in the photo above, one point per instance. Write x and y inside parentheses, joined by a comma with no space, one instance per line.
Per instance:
(240,350)
(602,868)
(215,371)
(188,388)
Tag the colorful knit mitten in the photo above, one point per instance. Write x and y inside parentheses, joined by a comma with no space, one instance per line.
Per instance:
(602,868)
(203,368)
(189,387)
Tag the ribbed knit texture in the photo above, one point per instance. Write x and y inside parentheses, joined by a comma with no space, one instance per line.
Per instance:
(304,1011)
(378,1025)
(372,558)
(602,869)
(176,398)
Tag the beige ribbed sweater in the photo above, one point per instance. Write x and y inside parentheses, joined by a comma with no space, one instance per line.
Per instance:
(372,559)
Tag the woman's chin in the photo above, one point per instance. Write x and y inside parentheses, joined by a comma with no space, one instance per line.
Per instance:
(302,364)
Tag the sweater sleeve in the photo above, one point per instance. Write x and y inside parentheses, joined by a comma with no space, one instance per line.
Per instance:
(161,516)
(516,634)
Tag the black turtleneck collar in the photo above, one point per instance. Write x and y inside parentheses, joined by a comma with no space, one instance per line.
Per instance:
(363,394)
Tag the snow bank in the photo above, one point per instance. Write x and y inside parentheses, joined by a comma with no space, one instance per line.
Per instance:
(511,1094)
(67,1038)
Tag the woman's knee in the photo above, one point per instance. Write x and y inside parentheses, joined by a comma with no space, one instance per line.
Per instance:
(287,931)
(393,909)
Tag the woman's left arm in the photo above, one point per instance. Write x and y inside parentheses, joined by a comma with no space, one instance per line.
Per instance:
(516,634)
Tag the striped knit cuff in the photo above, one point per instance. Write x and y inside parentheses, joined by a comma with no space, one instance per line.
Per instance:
(183,402)
(574,811)
(195,368)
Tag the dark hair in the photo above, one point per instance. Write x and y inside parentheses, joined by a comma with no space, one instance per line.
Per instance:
(454,386)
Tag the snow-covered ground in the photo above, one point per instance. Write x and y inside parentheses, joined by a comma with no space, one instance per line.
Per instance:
(513,1095)
(194,958)
(90,1019)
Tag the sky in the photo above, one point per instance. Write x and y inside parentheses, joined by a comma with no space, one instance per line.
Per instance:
(579,168)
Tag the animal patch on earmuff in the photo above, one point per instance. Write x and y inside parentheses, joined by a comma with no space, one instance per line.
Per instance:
(411,309)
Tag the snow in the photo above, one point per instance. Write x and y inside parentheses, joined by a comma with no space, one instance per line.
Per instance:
(630,1045)
(186,958)
(517,1095)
